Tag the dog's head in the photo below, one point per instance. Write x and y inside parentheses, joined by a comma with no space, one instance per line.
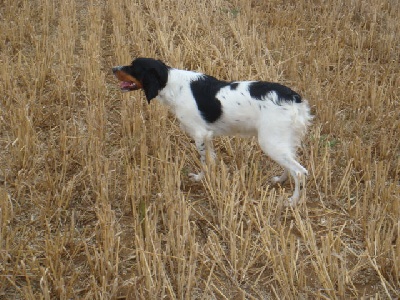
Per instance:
(148,74)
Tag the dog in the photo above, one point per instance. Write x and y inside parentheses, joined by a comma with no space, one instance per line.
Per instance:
(207,107)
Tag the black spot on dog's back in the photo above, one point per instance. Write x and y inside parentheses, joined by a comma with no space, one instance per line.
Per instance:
(259,89)
(204,92)
(234,85)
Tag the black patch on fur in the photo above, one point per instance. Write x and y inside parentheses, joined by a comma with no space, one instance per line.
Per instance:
(152,73)
(259,89)
(234,85)
(204,91)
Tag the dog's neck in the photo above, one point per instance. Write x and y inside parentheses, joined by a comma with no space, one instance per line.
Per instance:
(177,81)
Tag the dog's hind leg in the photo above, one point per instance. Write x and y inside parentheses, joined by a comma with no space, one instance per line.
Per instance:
(299,174)
(297,171)
(277,145)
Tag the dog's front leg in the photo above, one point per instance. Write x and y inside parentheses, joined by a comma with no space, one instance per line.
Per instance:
(203,147)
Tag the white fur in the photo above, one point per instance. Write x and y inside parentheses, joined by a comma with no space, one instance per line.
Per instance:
(279,128)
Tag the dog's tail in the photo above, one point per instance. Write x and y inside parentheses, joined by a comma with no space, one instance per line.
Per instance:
(301,119)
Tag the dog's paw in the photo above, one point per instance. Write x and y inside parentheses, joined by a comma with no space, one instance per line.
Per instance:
(276,180)
(292,201)
(279,179)
(196,177)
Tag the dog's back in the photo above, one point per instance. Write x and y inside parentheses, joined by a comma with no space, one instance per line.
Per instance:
(247,112)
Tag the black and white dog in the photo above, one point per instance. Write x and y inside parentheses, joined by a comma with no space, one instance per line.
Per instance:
(208,107)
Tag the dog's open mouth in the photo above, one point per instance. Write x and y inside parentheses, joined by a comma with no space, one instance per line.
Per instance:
(127,86)
(127,82)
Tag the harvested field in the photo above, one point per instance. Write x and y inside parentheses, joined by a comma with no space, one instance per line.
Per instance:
(95,201)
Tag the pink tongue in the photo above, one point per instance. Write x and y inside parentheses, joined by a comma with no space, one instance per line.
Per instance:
(125,84)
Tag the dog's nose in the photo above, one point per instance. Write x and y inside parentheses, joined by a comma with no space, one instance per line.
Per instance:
(117,68)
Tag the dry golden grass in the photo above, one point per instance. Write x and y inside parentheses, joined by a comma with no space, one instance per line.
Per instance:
(95,202)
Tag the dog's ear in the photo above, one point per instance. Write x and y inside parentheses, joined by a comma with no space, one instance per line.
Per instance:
(151,84)
(154,80)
